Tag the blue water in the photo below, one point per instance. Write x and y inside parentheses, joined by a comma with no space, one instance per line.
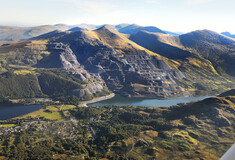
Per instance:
(125,101)
(12,111)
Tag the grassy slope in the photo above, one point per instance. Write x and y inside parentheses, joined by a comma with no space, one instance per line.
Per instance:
(19,86)
(19,58)
(49,112)
(200,72)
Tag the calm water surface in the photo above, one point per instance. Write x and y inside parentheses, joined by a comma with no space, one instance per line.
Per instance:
(12,111)
(124,101)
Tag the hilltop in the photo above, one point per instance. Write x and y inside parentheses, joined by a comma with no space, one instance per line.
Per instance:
(228,34)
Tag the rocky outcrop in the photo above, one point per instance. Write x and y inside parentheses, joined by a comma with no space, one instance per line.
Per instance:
(137,75)
(110,58)
(64,58)
(88,89)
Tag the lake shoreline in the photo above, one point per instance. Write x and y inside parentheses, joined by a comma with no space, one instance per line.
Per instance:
(119,100)
(13,111)
(85,103)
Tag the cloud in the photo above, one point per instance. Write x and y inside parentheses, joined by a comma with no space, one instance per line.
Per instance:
(198,2)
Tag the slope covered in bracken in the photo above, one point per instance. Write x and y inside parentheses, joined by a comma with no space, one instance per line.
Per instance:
(202,55)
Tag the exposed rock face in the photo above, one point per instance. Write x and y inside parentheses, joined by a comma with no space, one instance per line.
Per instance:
(124,67)
(88,89)
(134,74)
(63,57)
(68,59)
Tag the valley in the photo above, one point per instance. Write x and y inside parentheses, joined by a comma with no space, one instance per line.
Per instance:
(63,68)
(104,60)
(196,130)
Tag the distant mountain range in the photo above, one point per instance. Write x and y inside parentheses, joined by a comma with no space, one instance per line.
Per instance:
(8,33)
(127,59)
(228,34)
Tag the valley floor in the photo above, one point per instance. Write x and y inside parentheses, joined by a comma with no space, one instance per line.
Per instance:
(199,130)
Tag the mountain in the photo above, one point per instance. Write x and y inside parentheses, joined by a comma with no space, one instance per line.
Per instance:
(69,83)
(205,43)
(120,26)
(228,34)
(75,29)
(203,54)
(142,64)
(88,26)
(173,33)
(216,44)
(15,34)
(160,43)
(227,93)
(8,33)
(109,54)
(219,48)
(132,29)
(104,55)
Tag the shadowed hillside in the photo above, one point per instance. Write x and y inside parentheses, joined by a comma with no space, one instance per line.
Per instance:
(201,55)
(228,34)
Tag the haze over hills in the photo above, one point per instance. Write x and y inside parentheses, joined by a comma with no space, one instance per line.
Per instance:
(132,29)
(15,33)
(8,33)
(228,34)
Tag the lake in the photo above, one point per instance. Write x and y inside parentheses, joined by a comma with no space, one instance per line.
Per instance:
(12,111)
(125,101)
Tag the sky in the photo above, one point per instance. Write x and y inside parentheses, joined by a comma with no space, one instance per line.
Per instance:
(171,15)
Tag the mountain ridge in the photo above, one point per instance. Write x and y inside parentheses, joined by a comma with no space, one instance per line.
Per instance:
(228,34)
(142,64)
